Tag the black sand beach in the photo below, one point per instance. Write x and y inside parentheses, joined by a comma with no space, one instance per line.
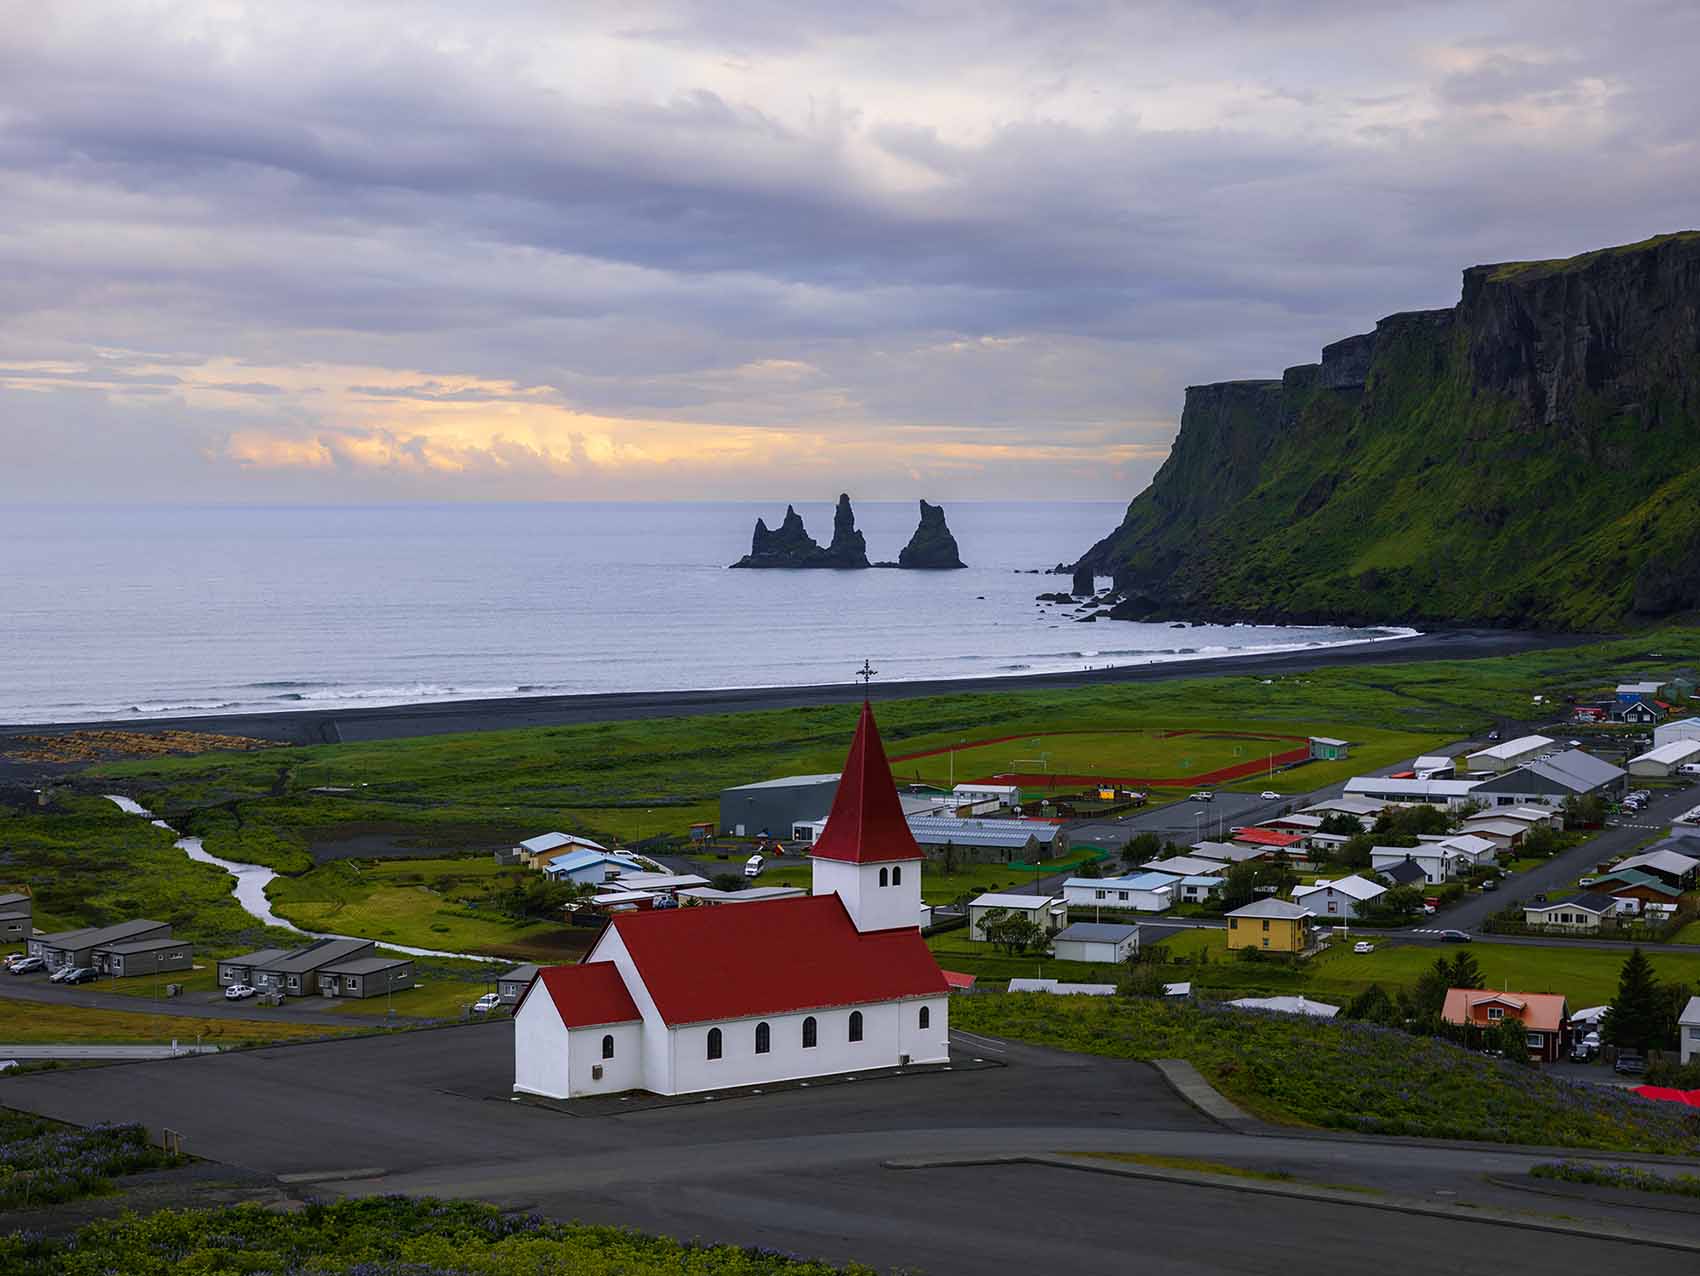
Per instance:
(402,721)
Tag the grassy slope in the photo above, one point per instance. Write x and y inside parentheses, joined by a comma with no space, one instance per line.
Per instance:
(33,1022)
(1342,1076)
(1426,497)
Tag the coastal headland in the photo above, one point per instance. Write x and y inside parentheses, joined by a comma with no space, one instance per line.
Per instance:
(403,721)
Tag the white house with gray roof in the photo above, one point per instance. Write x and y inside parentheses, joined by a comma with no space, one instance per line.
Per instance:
(1096,941)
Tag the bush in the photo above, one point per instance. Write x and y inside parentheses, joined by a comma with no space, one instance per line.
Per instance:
(1632,1177)
(382,1236)
(42,1163)
(1345,1075)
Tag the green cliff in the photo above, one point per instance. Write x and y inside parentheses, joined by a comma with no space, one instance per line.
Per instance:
(1529,457)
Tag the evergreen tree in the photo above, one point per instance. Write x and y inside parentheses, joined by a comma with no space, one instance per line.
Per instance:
(1372,1004)
(1463,972)
(1637,1013)
(1429,996)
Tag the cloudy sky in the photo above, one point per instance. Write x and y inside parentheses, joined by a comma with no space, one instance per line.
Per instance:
(367,251)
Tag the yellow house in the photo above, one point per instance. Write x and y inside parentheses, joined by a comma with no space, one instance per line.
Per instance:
(1272,925)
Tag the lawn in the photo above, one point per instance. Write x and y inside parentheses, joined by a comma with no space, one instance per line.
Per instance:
(421,903)
(32,1023)
(956,951)
(386,1234)
(1586,977)
(1342,1075)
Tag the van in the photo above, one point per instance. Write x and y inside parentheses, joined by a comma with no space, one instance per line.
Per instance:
(754,865)
(1689,768)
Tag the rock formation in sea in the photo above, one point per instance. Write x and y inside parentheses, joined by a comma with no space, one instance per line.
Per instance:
(790,545)
(932,547)
(1085,583)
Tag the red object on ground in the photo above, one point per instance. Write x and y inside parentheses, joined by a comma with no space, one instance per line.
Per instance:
(1664,1094)
(958,981)
(771,958)
(866,824)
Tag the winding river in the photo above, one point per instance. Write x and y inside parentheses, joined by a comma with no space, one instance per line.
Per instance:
(250,888)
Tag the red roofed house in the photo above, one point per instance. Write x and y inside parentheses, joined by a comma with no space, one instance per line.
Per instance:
(681,1000)
(1545,1016)
(1271,840)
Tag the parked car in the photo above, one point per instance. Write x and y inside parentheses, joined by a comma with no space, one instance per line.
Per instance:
(82,975)
(1428,908)
(754,865)
(1493,735)
(12,959)
(1454,937)
(1629,1064)
(1203,795)
(239,992)
(1270,795)
(1363,946)
(1490,883)
(487,1004)
(27,965)
(61,975)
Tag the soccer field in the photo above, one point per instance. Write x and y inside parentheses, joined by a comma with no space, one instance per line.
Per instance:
(1154,756)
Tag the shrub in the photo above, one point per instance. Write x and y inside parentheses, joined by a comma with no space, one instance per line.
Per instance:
(1632,1177)
(42,1163)
(1345,1075)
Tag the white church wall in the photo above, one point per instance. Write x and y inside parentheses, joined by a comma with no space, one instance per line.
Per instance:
(657,1049)
(882,1046)
(932,1043)
(540,1046)
(624,1071)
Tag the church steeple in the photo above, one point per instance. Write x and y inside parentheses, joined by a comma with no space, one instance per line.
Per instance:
(866,854)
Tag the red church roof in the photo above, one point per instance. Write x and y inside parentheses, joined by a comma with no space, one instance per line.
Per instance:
(770,958)
(586,996)
(866,824)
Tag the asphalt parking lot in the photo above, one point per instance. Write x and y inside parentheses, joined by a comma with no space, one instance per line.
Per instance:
(429,1113)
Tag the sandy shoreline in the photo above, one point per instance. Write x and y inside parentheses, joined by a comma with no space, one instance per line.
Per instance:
(387,722)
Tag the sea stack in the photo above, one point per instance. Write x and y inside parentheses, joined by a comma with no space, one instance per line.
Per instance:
(790,545)
(1085,582)
(932,547)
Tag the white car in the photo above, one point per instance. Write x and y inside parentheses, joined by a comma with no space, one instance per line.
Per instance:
(61,975)
(1270,795)
(237,992)
(1363,946)
(487,1004)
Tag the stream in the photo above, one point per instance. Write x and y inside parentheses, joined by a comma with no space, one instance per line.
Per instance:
(250,888)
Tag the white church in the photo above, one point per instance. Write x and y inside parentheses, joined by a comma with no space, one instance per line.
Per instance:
(680,1000)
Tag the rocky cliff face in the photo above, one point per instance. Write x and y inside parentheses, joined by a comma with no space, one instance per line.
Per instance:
(790,545)
(932,547)
(1530,456)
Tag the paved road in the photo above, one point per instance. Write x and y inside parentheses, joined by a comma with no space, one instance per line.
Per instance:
(77,1051)
(1553,877)
(805,1170)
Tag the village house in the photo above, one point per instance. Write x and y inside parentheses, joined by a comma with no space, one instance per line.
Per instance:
(1342,898)
(1048,912)
(83,946)
(1575,914)
(585,867)
(1184,866)
(511,984)
(1270,925)
(1273,842)
(1545,1017)
(1688,1030)
(980,841)
(17,917)
(1144,892)
(1504,835)
(1509,753)
(1671,867)
(1106,942)
(1632,884)
(685,1000)
(1437,862)
(534,852)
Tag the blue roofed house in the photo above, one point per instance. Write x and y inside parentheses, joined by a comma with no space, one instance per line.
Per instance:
(1142,892)
(591,868)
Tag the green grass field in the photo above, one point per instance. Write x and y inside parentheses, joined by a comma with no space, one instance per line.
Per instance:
(413,902)
(34,1022)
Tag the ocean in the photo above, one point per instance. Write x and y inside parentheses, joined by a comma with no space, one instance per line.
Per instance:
(132,613)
